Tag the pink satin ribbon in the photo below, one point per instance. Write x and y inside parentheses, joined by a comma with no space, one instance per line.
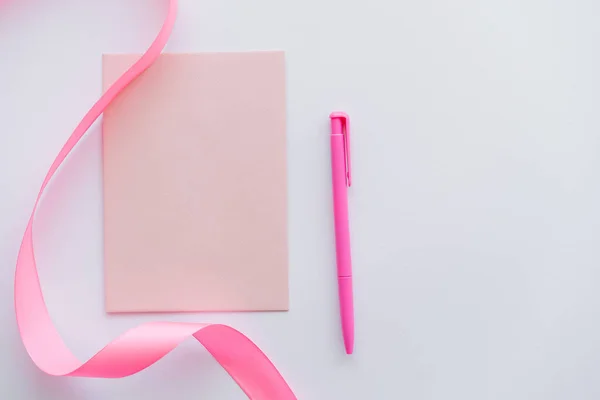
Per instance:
(142,346)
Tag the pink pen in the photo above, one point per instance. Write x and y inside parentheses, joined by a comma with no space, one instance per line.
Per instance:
(340,168)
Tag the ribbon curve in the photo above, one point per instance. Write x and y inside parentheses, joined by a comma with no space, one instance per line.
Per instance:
(144,345)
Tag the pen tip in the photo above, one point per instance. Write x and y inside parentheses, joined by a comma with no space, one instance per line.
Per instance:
(349,348)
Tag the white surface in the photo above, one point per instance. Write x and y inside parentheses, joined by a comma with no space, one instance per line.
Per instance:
(475,206)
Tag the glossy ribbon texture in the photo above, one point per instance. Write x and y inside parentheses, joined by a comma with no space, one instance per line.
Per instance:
(142,346)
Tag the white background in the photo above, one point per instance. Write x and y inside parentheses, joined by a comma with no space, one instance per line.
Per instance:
(475,208)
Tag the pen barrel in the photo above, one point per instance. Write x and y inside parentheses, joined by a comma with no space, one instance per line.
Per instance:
(340,206)
(342,236)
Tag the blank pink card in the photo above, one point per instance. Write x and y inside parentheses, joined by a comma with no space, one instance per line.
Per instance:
(195,184)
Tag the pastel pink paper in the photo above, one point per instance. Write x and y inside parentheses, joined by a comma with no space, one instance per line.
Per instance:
(195,202)
(140,347)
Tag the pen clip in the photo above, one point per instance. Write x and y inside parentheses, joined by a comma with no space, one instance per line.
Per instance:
(345,119)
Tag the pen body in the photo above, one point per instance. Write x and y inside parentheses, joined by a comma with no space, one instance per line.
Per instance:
(342,234)
(340,206)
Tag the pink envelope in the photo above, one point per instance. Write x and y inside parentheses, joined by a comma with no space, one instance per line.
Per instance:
(195,184)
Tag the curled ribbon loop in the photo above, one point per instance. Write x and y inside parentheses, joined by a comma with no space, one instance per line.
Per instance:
(142,346)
